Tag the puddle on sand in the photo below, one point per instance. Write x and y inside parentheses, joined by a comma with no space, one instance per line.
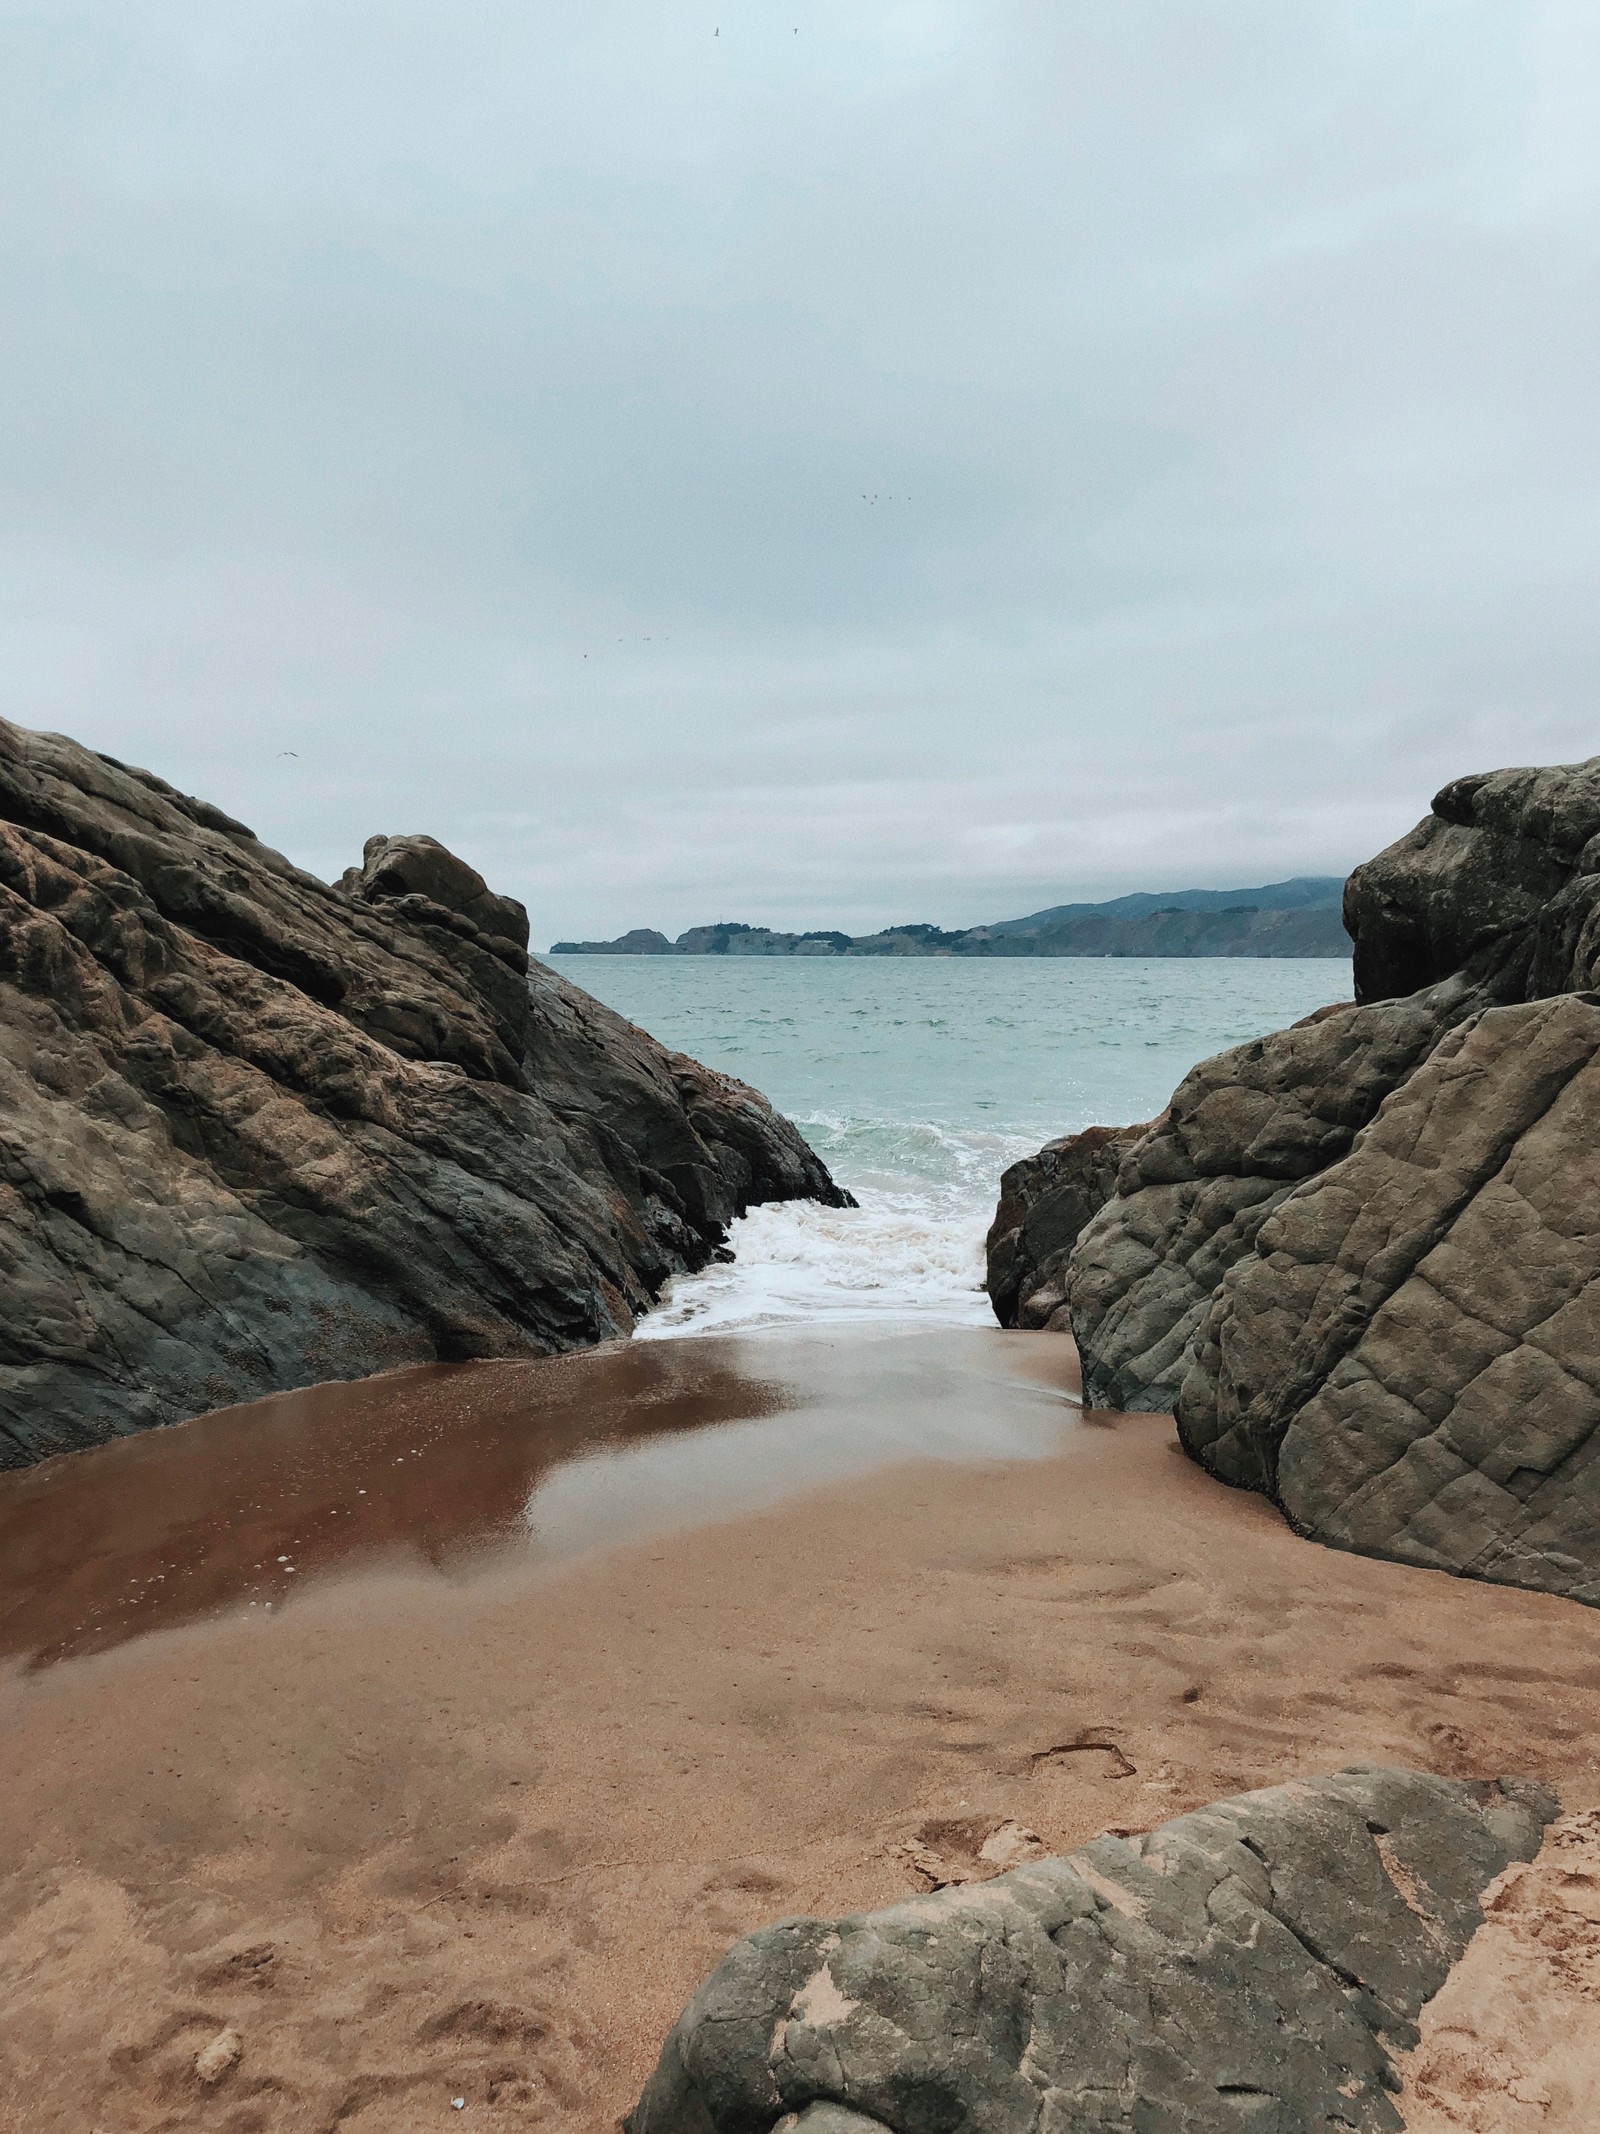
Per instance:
(450,1464)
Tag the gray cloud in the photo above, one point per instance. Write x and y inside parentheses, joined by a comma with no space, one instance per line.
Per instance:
(490,407)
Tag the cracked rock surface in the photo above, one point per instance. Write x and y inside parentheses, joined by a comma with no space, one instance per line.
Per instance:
(257,1130)
(1243,1130)
(1255,1965)
(1408,1360)
(1358,1259)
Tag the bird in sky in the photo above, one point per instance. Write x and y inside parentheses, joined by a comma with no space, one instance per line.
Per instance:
(290,752)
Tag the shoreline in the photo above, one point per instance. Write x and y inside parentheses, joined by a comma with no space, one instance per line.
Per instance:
(479,1833)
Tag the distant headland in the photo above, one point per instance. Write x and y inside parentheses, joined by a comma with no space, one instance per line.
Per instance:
(1295,918)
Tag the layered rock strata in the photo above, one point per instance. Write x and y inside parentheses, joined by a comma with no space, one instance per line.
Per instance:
(257,1130)
(1257,1963)
(1358,1258)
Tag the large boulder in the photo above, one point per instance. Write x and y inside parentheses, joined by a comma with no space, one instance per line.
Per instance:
(1408,1359)
(1502,879)
(256,1130)
(399,869)
(1358,1258)
(1243,1130)
(1045,1202)
(1256,1964)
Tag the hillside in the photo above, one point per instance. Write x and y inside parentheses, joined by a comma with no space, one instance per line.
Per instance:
(1295,918)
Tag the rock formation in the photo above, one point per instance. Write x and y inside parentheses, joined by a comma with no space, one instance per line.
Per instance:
(1409,1357)
(1359,1258)
(1045,1201)
(257,1131)
(1502,878)
(1254,1964)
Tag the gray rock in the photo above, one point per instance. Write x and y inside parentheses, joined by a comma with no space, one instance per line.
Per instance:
(257,1131)
(1408,1359)
(1254,1965)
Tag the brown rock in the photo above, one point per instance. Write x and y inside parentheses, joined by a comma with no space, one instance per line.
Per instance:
(257,1131)
(220,2057)
(1502,879)
(1359,1258)
(1242,1131)
(1409,1358)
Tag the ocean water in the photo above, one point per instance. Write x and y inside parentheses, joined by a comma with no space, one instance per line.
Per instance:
(917,1082)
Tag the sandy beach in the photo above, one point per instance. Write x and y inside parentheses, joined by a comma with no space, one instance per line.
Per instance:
(469,1815)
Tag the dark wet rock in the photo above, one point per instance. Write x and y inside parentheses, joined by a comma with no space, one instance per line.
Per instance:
(256,1130)
(1255,1964)
(1045,1201)
(1408,1359)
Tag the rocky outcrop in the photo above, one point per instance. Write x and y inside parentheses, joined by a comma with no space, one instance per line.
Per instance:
(1242,1132)
(1045,1201)
(1408,1359)
(1257,1963)
(1502,879)
(1359,1259)
(257,1130)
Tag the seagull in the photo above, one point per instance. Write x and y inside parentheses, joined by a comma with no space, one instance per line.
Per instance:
(290,752)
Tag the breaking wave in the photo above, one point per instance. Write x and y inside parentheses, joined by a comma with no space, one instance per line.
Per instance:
(917,1082)
(913,1249)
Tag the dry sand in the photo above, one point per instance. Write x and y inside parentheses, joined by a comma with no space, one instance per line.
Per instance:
(417,1836)
(1511,2043)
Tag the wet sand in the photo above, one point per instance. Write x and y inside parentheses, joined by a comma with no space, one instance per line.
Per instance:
(471,1814)
(462,1467)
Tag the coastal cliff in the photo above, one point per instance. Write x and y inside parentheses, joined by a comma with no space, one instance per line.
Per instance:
(257,1130)
(1360,1259)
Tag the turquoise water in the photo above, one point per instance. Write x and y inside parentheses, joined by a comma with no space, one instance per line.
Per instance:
(918,1082)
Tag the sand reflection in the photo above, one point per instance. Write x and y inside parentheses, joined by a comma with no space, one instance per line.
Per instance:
(452,1466)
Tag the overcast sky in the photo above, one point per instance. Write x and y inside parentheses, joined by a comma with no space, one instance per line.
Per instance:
(820,462)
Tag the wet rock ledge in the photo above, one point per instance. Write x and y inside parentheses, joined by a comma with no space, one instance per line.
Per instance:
(257,1130)
(1359,1259)
(1256,1964)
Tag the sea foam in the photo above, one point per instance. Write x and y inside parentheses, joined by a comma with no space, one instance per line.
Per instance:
(912,1249)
